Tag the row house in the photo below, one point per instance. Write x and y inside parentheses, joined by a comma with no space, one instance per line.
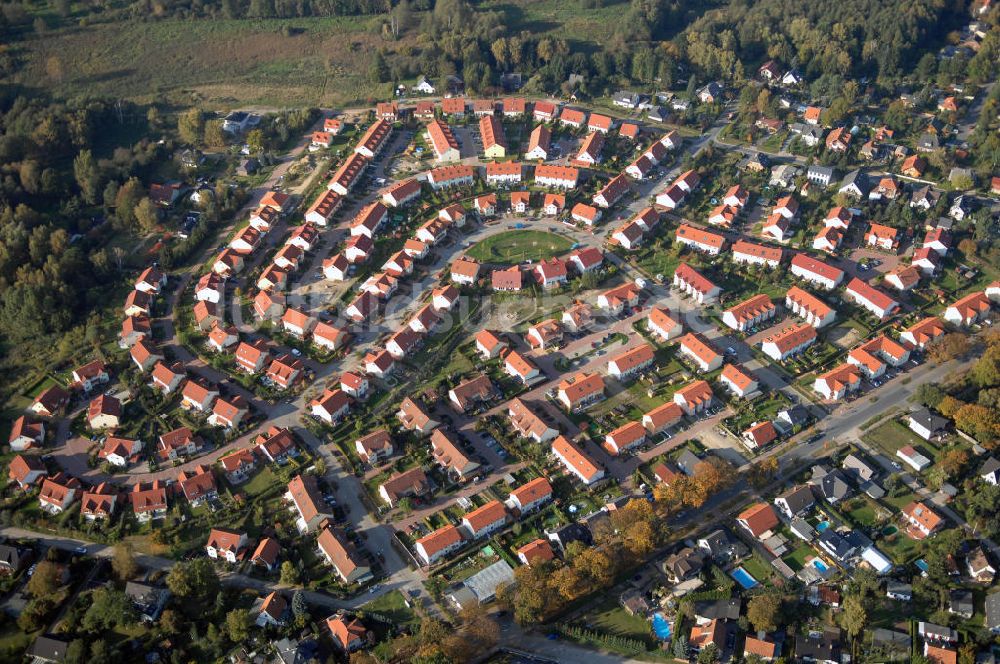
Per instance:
(486,520)
(923,332)
(449,456)
(375,138)
(624,438)
(749,313)
(838,382)
(539,144)
(693,283)
(789,341)
(662,418)
(969,309)
(443,141)
(700,239)
(348,174)
(697,349)
(445,177)
(577,461)
(756,254)
(438,544)
(612,192)
(323,208)
(559,177)
(694,398)
(493,138)
(369,219)
(580,391)
(875,301)
(530,496)
(816,271)
(528,423)
(664,324)
(401,193)
(809,307)
(503,173)
(631,362)
(738,380)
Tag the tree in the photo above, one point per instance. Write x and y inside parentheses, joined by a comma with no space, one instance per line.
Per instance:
(170,622)
(289,574)
(147,215)
(379,71)
(929,394)
(948,347)
(299,608)
(123,562)
(238,625)
(681,647)
(763,610)
(953,462)
(949,405)
(195,580)
(76,652)
(255,141)
(986,371)
(109,608)
(190,126)
(854,616)
(709,654)
(86,174)
(45,581)
(979,422)
(214,136)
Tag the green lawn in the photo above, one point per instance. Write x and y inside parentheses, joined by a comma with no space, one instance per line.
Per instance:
(610,617)
(862,512)
(796,558)
(393,606)
(517,246)
(892,435)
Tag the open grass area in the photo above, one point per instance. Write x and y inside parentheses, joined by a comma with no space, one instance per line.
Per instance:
(517,246)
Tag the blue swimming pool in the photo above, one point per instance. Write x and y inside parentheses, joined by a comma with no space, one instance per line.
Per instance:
(661,626)
(743,578)
(819,565)
(822,525)
(922,564)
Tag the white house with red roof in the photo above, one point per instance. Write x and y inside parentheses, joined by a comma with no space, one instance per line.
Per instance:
(875,301)
(816,271)
(691,282)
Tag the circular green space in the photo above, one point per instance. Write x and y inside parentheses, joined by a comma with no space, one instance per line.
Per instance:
(518,246)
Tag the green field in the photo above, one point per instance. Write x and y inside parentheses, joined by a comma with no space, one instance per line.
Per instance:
(517,246)
(216,62)
(277,63)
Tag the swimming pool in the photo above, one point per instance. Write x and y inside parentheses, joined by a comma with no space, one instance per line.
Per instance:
(661,626)
(822,525)
(744,578)
(922,564)
(820,566)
